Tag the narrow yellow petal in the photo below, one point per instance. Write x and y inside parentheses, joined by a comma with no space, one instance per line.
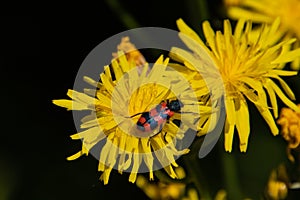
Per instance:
(103,100)
(229,131)
(81,97)
(238,13)
(284,99)
(187,30)
(227,37)
(239,29)
(75,156)
(284,72)
(166,61)
(105,153)
(210,37)
(105,175)
(90,92)
(136,164)
(243,124)
(157,70)
(256,85)
(107,123)
(145,69)
(90,81)
(285,87)
(117,69)
(230,110)
(273,99)
(147,157)
(107,82)
(70,105)
(124,64)
(288,56)
(89,135)
(170,171)
(266,114)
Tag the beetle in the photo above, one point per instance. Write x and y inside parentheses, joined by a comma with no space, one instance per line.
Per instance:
(157,116)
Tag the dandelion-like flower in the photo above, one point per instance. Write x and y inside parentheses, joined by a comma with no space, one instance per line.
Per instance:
(168,190)
(266,11)
(290,129)
(248,69)
(277,187)
(123,94)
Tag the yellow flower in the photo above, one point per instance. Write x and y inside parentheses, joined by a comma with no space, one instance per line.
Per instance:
(116,106)
(277,186)
(266,11)
(247,70)
(161,190)
(168,190)
(132,54)
(290,129)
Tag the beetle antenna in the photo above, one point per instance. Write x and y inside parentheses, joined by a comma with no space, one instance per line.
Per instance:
(134,115)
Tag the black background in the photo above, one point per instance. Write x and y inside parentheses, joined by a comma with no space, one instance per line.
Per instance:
(41,51)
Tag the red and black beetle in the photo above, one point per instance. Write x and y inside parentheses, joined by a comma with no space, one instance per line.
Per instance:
(157,116)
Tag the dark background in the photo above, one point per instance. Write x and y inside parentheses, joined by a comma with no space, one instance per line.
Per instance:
(41,52)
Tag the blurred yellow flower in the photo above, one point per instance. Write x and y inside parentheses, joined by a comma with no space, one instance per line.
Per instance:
(161,190)
(290,129)
(266,11)
(247,68)
(132,54)
(171,190)
(277,186)
(117,105)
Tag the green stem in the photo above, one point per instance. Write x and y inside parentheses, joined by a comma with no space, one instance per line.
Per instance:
(195,175)
(198,12)
(231,177)
(126,18)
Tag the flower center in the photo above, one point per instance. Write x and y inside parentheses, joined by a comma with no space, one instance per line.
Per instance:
(147,111)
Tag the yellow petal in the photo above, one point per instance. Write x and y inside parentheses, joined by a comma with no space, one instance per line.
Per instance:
(107,123)
(285,87)
(273,99)
(105,175)
(256,85)
(89,135)
(187,30)
(90,81)
(266,114)
(243,124)
(239,29)
(227,37)
(288,56)
(70,105)
(158,70)
(147,157)
(75,156)
(284,72)
(284,99)
(238,13)
(210,37)
(107,82)
(170,171)
(230,110)
(104,100)
(117,69)
(105,151)
(124,64)
(81,97)
(136,164)
(229,131)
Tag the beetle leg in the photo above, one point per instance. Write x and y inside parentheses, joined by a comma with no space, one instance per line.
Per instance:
(165,137)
